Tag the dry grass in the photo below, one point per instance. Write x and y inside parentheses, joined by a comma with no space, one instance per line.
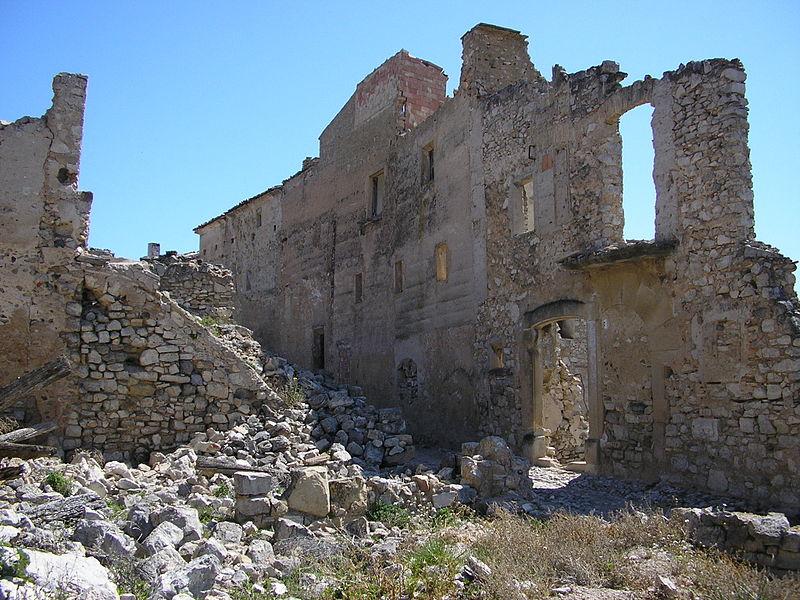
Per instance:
(630,552)
(8,424)
(528,559)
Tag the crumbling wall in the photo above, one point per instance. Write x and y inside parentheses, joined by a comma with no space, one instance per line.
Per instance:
(146,373)
(693,369)
(691,339)
(331,237)
(149,376)
(199,287)
(43,222)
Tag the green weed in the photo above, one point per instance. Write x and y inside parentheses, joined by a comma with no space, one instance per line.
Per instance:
(59,483)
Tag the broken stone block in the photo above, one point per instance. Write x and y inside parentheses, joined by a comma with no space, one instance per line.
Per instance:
(309,492)
(253,484)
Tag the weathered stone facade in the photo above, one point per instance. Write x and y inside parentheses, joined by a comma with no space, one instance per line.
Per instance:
(436,244)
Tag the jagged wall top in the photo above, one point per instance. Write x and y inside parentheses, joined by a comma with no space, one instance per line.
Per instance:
(493,58)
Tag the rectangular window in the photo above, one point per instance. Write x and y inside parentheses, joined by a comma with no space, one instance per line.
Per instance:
(522,218)
(398,277)
(428,165)
(359,287)
(377,185)
(258,218)
(441,262)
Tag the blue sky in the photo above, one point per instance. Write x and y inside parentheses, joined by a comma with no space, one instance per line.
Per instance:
(195,105)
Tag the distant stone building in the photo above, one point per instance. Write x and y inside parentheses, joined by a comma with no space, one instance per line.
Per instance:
(463,258)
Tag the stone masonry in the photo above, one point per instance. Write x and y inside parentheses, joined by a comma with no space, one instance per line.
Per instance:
(436,244)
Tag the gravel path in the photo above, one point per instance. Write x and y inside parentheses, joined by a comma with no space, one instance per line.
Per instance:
(558,489)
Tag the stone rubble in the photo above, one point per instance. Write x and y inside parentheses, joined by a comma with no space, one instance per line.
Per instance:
(190,533)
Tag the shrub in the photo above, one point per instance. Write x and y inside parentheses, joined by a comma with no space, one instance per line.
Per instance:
(294,393)
(59,483)
(391,515)
(223,490)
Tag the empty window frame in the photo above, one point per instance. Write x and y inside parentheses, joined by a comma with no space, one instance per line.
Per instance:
(525,213)
(428,163)
(358,287)
(398,277)
(377,185)
(441,262)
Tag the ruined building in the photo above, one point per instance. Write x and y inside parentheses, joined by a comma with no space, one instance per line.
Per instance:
(463,258)
(146,375)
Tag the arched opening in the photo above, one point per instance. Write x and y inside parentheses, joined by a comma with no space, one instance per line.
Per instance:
(638,187)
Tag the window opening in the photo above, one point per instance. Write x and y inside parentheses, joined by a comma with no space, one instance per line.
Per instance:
(638,187)
(525,213)
(359,287)
(398,277)
(428,163)
(441,262)
(377,186)
(258,218)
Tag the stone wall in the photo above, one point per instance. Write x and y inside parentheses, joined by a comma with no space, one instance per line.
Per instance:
(322,237)
(148,375)
(692,338)
(199,287)
(43,224)
(766,540)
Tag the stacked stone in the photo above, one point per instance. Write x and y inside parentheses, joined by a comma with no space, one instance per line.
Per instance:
(766,540)
(743,290)
(148,374)
(202,288)
(255,498)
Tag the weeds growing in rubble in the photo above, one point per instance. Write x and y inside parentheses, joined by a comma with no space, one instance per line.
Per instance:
(391,515)
(294,393)
(59,483)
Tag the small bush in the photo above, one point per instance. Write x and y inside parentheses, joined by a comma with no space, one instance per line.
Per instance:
(390,515)
(16,568)
(223,490)
(116,507)
(443,517)
(59,483)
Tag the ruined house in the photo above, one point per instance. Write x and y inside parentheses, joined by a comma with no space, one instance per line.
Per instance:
(463,258)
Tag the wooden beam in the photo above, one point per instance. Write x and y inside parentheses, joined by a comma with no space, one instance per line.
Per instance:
(26,433)
(25,450)
(35,380)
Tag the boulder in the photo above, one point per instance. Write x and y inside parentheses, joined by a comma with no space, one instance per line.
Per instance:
(70,575)
(104,536)
(165,535)
(184,517)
